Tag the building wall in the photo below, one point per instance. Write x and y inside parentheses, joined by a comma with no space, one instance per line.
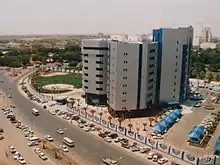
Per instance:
(174,45)
(95,60)
(129,75)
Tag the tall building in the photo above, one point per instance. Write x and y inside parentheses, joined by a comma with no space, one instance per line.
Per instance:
(174,47)
(132,75)
(206,35)
(95,61)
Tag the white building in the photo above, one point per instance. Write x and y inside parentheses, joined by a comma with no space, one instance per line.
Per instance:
(132,75)
(174,47)
(209,45)
(95,60)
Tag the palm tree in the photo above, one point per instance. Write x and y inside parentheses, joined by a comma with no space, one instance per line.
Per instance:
(100,114)
(55,150)
(144,124)
(110,119)
(120,121)
(138,129)
(130,125)
(43,143)
(92,112)
(150,120)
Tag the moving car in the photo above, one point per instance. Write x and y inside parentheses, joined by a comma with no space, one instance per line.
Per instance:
(42,155)
(64,148)
(49,138)
(33,143)
(60,131)
(109,161)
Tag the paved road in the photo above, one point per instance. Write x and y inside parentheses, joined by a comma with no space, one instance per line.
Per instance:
(89,147)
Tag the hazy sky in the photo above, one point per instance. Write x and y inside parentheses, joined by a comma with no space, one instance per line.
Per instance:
(107,16)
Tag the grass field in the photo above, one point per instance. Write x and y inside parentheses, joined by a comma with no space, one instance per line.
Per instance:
(72,79)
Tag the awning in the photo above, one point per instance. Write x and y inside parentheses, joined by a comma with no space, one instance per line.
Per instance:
(217,145)
(173,103)
(196,133)
(159,128)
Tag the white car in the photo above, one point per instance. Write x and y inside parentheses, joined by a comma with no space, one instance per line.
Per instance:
(117,140)
(162,160)
(49,138)
(64,148)
(52,112)
(60,131)
(21,160)
(12,149)
(42,156)
(108,139)
(33,143)
(150,155)
(155,158)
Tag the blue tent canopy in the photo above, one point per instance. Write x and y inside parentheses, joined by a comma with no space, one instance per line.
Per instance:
(169,120)
(173,103)
(196,133)
(217,145)
(159,128)
(173,116)
(177,112)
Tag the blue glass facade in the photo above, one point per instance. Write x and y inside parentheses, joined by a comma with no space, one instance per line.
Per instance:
(184,73)
(158,37)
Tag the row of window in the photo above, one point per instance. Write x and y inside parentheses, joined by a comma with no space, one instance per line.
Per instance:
(97,62)
(98,75)
(97,55)
(98,69)
(97,82)
(98,89)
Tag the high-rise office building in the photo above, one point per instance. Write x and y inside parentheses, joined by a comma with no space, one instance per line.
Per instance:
(174,47)
(132,75)
(95,60)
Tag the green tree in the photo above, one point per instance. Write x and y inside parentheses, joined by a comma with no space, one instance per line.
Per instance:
(217,77)
(209,76)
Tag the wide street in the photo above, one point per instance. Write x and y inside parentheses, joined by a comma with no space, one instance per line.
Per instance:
(89,148)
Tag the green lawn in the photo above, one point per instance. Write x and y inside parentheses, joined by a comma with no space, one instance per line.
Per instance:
(72,79)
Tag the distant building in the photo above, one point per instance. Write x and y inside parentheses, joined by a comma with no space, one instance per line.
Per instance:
(174,47)
(206,35)
(210,45)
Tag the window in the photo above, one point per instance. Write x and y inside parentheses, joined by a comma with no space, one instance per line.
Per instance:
(125,62)
(152,50)
(175,70)
(85,74)
(99,89)
(151,80)
(124,85)
(150,94)
(86,68)
(125,54)
(85,55)
(173,96)
(124,93)
(174,90)
(95,48)
(176,63)
(177,42)
(99,69)
(124,78)
(100,76)
(99,55)
(151,58)
(175,77)
(99,62)
(86,61)
(125,70)
(151,73)
(151,66)
(177,49)
(174,83)
(123,101)
(85,87)
(176,56)
(86,81)
(99,82)
(151,87)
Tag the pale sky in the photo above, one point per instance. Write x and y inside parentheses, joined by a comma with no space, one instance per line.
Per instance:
(107,16)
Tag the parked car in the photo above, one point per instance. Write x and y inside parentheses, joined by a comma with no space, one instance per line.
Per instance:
(150,155)
(12,149)
(102,135)
(42,155)
(108,139)
(33,143)
(162,160)
(1,137)
(21,160)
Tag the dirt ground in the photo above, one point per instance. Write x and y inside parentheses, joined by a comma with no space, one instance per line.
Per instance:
(54,74)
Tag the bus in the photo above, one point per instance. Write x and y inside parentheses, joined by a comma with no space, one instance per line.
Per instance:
(35,111)
(68,142)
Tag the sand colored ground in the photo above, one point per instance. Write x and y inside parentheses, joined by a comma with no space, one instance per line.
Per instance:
(59,87)
(54,74)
